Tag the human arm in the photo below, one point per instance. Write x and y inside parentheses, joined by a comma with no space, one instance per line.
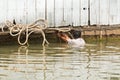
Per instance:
(63,36)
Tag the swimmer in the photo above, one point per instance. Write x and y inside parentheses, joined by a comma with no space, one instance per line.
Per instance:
(77,40)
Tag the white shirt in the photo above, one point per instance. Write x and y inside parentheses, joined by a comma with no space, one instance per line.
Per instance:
(79,42)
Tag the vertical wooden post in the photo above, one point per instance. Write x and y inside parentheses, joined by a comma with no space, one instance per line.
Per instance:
(63,20)
(99,23)
(88,12)
(54,14)
(72,13)
(35,9)
(106,33)
(80,12)
(45,9)
(101,33)
(95,34)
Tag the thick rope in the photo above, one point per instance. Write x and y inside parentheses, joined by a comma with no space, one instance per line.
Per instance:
(63,29)
(2,25)
(18,29)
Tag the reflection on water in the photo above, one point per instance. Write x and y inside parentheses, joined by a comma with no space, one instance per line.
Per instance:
(59,62)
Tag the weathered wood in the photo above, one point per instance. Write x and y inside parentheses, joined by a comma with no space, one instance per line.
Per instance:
(51,35)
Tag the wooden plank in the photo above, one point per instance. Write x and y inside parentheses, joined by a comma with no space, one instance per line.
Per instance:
(113,12)
(67,12)
(50,13)
(58,12)
(103,12)
(40,9)
(84,12)
(3,10)
(76,13)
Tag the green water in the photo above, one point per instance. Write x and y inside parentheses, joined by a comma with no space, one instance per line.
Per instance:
(96,61)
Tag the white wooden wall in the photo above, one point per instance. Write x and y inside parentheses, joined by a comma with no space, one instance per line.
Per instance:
(61,12)
(105,12)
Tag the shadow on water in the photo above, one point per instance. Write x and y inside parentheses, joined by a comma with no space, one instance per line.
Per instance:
(59,62)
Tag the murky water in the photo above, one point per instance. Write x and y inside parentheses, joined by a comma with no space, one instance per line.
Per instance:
(59,62)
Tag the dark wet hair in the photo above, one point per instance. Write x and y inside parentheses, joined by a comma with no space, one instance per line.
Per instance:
(76,33)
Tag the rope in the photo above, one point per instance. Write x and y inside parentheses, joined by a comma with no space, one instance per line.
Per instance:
(63,29)
(18,29)
(38,26)
(2,25)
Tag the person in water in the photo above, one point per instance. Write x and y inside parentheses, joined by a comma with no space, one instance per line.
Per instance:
(76,41)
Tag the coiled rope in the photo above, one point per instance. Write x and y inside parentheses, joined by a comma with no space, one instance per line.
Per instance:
(18,29)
